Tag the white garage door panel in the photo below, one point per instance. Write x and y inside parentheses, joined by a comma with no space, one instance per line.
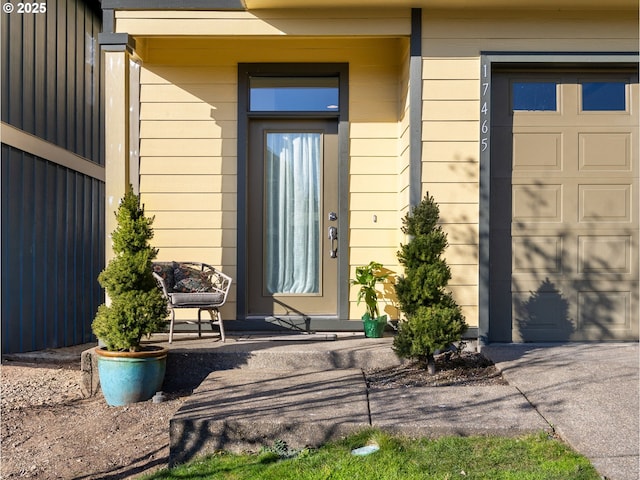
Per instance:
(564,193)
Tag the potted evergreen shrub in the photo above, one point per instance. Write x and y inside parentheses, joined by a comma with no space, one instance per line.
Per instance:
(367,277)
(433,320)
(128,371)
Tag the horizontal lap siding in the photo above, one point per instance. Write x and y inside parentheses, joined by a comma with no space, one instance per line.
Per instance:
(188,143)
(307,22)
(375,186)
(452,42)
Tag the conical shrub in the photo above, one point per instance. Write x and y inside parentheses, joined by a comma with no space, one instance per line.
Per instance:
(433,318)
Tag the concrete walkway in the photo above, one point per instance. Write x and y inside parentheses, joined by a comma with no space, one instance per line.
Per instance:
(587,392)
(242,410)
(252,391)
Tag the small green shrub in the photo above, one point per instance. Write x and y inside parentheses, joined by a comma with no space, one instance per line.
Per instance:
(433,318)
(137,306)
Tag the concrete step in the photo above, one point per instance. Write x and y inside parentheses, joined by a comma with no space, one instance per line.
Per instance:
(275,353)
(192,359)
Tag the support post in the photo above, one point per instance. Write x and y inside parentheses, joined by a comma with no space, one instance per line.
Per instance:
(117,50)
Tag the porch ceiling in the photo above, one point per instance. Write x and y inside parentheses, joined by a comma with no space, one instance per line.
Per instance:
(450,4)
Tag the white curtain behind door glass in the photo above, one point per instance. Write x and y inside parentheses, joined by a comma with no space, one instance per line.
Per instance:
(292,195)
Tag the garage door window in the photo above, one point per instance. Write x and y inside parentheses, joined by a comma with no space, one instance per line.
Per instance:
(534,96)
(603,96)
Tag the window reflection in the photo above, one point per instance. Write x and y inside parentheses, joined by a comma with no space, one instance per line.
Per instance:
(293,94)
(533,96)
(603,96)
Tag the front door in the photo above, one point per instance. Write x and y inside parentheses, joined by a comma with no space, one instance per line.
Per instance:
(292,218)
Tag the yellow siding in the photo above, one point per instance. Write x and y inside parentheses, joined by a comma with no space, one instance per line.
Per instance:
(457,151)
(452,43)
(464,275)
(491,27)
(458,131)
(461,233)
(180,165)
(370,165)
(188,116)
(214,256)
(442,171)
(387,22)
(188,144)
(188,111)
(449,68)
(438,110)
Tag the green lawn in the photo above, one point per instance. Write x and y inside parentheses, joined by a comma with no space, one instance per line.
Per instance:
(494,458)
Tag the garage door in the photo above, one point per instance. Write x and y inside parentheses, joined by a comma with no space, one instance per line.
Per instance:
(564,206)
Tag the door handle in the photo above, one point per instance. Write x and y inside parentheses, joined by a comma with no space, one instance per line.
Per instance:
(333,236)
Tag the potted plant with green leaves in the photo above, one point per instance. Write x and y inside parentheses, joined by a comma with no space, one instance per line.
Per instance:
(367,277)
(129,371)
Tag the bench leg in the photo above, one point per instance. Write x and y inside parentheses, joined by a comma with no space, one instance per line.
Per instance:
(173,321)
(216,319)
(220,324)
(199,323)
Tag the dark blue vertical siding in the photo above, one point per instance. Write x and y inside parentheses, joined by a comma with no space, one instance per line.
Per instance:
(51,75)
(52,217)
(52,251)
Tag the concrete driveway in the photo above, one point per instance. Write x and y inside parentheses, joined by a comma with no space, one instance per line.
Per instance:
(588,392)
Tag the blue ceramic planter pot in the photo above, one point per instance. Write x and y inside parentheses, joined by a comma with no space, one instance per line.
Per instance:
(130,377)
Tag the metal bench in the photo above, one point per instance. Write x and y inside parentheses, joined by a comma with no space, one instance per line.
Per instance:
(194,285)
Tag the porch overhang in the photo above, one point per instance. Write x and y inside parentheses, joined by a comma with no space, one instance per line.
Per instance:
(332,4)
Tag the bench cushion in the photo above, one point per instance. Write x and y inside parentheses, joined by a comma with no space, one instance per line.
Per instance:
(205,298)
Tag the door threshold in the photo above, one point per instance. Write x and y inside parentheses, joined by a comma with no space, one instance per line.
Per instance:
(291,337)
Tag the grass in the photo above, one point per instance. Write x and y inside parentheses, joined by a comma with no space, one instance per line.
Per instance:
(535,457)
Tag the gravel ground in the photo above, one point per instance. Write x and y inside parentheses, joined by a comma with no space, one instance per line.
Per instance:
(50,432)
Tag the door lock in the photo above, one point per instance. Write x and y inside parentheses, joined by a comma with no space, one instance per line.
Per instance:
(333,236)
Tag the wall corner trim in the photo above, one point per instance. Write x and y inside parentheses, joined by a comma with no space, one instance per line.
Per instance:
(40,148)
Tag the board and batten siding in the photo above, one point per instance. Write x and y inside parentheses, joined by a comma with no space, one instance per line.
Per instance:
(51,75)
(188,143)
(452,45)
(52,253)
(52,134)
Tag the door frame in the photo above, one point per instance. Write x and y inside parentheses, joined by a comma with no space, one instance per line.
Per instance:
(340,70)
(489,62)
